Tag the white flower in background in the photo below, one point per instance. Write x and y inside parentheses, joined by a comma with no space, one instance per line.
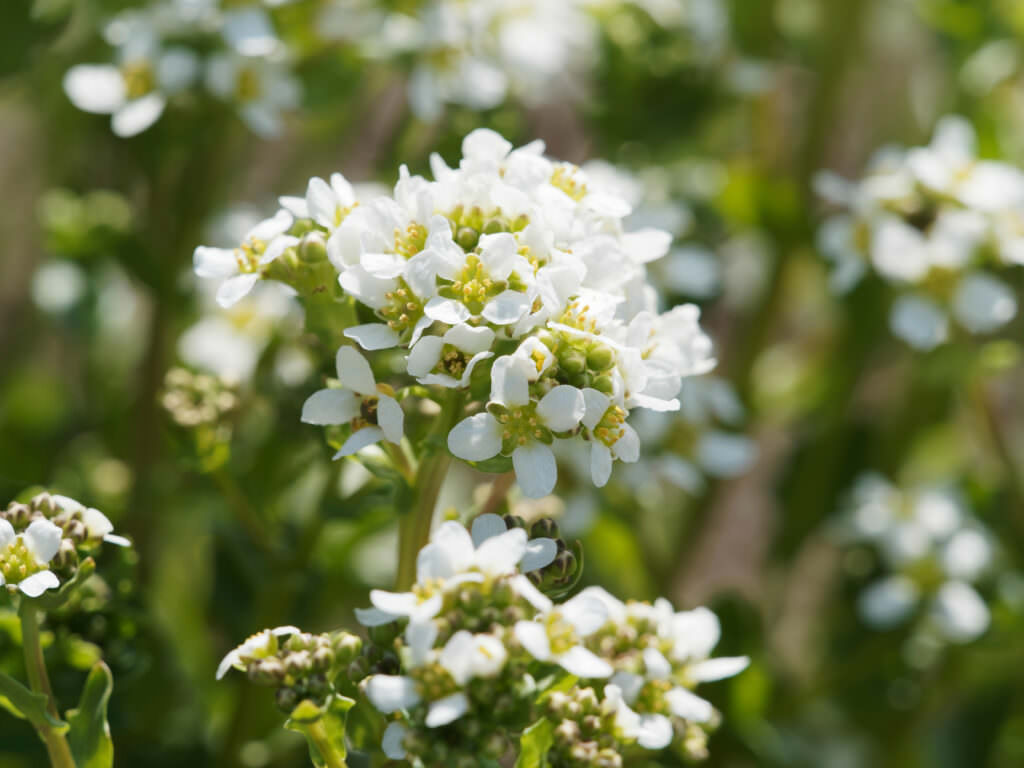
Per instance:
(24,557)
(97,525)
(259,646)
(239,268)
(933,552)
(455,556)
(261,89)
(135,90)
(933,221)
(370,407)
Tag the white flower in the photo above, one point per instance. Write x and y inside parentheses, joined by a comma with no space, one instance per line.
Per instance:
(960,612)
(449,360)
(97,525)
(239,268)
(611,437)
(392,741)
(24,556)
(455,556)
(259,646)
(521,428)
(556,633)
(649,731)
(372,409)
(261,89)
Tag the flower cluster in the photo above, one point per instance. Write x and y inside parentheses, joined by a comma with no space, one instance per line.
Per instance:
(299,665)
(474,647)
(931,552)
(509,279)
(935,222)
(166,49)
(479,54)
(41,542)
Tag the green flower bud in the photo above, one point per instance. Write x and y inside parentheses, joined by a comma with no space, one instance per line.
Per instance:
(323,658)
(287,700)
(467,238)
(298,663)
(514,521)
(603,384)
(600,358)
(313,248)
(493,226)
(358,670)
(572,361)
(347,646)
(545,527)
(18,515)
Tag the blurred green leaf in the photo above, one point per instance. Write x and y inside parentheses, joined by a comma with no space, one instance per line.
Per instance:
(89,734)
(534,745)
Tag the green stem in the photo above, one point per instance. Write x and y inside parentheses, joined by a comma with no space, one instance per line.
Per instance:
(318,735)
(39,681)
(414,530)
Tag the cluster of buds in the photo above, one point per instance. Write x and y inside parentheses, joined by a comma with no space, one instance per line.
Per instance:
(560,575)
(43,541)
(584,734)
(196,400)
(299,665)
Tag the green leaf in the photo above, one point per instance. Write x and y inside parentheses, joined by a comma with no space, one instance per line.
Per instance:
(534,745)
(499,465)
(323,727)
(23,703)
(89,737)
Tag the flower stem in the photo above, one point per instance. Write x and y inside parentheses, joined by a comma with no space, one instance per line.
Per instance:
(414,530)
(318,735)
(39,681)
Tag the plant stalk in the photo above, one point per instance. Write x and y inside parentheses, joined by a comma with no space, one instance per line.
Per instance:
(318,734)
(35,666)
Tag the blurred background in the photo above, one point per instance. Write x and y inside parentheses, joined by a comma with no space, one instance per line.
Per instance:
(713,118)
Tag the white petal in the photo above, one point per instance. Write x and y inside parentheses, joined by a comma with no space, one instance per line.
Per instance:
(960,612)
(359,440)
(525,589)
(506,308)
(424,355)
(583,663)
(695,632)
(373,336)
(475,438)
(486,526)
(471,340)
(689,706)
(234,289)
(391,418)
(390,693)
(374,617)
(420,637)
(7,533)
(97,88)
(455,656)
(586,612)
(510,382)
(447,311)
(354,372)
(534,638)
(331,406)
(38,583)
(888,602)
(600,464)
(982,303)
(214,262)
(562,408)
(597,404)
(658,667)
(447,710)
(42,539)
(500,554)
(96,523)
(628,684)
(718,669)
(653,732)
(117,541)
(396,603)
(646,245)
(450,552)
(321,202)
(540,553)
(136,116)
(536,471)
(919,322)
(391,743)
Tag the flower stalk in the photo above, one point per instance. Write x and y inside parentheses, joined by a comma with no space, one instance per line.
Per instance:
(35,666)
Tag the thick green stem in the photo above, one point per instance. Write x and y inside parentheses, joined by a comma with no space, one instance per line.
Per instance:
(414,530)
(39,681)
(331,757)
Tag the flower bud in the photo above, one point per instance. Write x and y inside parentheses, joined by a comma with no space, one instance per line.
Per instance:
(603,384)
(600,358)
(18,515)
(514,521)
(298,663)
(567,732)
(358,670)
(66,559)
(467,238)
(545,527)
(346,647)
(313,248)
(287,699)
(384,634)
(493,226)
(572,361)
(323,658)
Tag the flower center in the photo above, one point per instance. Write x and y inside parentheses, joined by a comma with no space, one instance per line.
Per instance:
(403,310)
(566,178)
(410,241)
(610,428)
(17,563)
(560,633)
(248,86)
(247,256)
(519,426)
(139,78)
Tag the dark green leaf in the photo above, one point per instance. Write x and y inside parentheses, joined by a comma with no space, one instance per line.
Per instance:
(89,737)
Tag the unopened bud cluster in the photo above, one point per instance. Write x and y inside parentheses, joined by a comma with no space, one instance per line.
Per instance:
(562,573)
(197,399)
(584,731)
(299,665)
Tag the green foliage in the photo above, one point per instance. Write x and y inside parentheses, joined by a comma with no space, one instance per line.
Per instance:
(534,745)
(89,732)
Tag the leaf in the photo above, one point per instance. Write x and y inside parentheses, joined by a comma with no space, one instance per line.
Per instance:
(498,465)
(323,727)
(89,736)
(534,745)
(23,703)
